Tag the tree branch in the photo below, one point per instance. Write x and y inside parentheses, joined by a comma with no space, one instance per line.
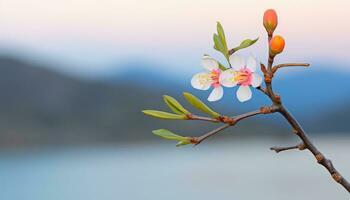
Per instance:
(321,159)
(297,129)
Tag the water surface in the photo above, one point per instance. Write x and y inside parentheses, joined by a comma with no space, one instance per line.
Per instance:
(232,170)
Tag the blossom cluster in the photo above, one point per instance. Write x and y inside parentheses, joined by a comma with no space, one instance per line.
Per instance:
(242,73)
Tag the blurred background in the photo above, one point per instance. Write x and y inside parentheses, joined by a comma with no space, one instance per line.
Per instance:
(75,75)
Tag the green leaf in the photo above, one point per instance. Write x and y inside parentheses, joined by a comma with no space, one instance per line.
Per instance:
(195,102)
(163,115)
(245,43)
(174,105)
(182,143)
(163,133)
(218,44)
(221,34)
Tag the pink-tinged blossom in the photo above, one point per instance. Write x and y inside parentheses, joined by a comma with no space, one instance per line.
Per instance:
(242,74)
(209,79)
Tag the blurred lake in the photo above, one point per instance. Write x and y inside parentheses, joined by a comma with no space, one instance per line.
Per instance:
(231,170)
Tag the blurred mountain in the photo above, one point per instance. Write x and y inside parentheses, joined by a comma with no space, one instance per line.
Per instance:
(42,107)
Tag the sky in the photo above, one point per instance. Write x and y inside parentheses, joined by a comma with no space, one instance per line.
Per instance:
(92,37)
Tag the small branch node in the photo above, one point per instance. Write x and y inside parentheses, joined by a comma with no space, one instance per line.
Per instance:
(227,120)
(278,98)
(301,146)
(266,110)
(295,131)
(189,116)
(268,77)
(337,177)
(194,140)
(319,157)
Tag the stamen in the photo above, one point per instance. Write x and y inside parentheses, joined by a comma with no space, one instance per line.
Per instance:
(244,77)
(214,75)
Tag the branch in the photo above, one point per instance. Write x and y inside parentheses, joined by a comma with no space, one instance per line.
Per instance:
(297,129)
(276,67)
(231,121)
(198,140)
(321,159)
(300,146)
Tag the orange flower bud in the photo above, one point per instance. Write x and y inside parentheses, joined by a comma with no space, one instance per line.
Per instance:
(270,20)
(276,45)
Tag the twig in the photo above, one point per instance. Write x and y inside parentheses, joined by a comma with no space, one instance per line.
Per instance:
(276,67)
(232,121)
(198,140)
(248,114)
(300,146)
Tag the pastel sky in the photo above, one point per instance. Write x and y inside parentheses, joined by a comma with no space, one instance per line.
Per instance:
(99,35)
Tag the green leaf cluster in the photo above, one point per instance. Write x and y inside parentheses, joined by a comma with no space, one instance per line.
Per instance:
(179,113)
(220,43)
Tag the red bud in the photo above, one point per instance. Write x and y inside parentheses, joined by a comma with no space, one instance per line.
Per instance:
(270,20)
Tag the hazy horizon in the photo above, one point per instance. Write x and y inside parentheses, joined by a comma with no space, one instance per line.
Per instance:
(89,38)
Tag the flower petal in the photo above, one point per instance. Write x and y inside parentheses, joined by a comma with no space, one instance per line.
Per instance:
(251,63)
(201,81)
(216,94)
(227,78)
(209,63)
(257,80)
(237,62)
(244,93)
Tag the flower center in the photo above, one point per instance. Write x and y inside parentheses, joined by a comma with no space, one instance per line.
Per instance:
(244,77)
(214,75)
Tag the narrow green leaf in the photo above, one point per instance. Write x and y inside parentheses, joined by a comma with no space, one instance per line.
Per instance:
(195,102)
(174,105)
(182,143)
(245,43)
(218,44)
(163,133)
(163,115)
(221,34)
(166,134)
